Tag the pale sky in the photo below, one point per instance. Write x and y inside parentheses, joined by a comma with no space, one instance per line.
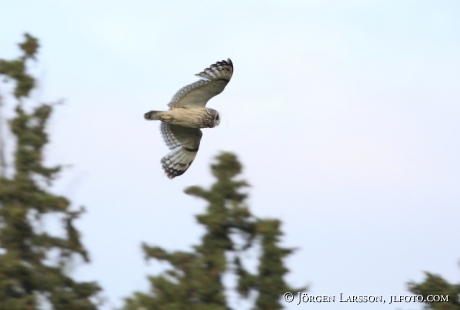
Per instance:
(343,113)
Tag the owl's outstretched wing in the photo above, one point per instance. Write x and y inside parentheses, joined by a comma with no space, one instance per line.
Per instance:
(197,94)
(184,143)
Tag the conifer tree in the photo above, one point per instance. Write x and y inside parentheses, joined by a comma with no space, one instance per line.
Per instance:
(436,285)
(30,276)
(269,282)
(195,280)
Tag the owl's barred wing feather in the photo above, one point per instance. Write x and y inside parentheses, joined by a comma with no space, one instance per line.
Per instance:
(197,94)
(184,143)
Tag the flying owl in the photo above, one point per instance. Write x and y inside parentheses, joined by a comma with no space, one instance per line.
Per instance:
(180,125)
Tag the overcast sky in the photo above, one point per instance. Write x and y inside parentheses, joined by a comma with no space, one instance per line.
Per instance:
(345,115)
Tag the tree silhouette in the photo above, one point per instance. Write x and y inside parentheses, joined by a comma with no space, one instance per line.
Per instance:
(195,280)
(33,262)
(435,285)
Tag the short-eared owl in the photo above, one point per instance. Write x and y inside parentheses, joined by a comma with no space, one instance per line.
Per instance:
(187,113)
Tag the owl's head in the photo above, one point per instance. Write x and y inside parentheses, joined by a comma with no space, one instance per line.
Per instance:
(213,119)
(216,119)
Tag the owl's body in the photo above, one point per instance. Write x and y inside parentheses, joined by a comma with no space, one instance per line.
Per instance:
(187,113)
(191,118)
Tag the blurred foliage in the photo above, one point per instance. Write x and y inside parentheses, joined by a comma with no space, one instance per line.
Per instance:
(195,281)
(435,285)
(33,262)
(16,69)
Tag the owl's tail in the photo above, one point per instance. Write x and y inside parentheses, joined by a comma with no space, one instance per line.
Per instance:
(153,115)
(158,116)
